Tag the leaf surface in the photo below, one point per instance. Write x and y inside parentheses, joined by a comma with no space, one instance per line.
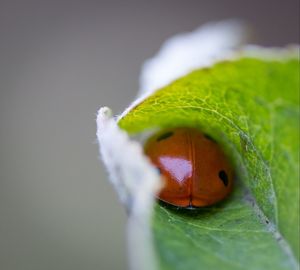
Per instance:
(251,107)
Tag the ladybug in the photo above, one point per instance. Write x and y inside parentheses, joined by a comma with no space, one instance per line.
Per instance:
(194,167)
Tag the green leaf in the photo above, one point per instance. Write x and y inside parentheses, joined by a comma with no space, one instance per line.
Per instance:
(251,107)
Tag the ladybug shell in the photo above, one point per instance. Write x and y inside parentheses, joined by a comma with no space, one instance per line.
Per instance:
(195,169)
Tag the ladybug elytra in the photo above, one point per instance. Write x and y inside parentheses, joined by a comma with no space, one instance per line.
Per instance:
(194,167)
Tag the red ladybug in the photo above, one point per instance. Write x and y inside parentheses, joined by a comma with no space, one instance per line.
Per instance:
(194,167)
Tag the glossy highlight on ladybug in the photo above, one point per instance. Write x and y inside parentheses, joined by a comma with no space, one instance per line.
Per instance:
(194,167)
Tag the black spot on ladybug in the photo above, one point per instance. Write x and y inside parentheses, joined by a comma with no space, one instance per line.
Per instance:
(223,176)
(159,170)
(209,138)
(164,136)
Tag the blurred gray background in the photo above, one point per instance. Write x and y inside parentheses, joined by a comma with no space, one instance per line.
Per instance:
(59,62)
